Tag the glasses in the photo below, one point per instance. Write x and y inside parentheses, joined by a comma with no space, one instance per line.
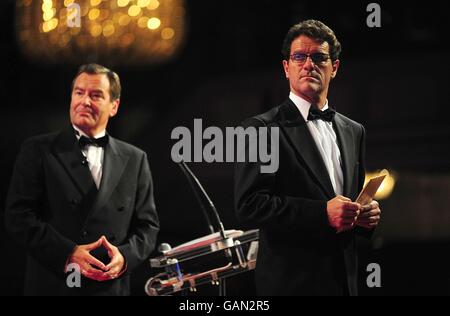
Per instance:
(316,58)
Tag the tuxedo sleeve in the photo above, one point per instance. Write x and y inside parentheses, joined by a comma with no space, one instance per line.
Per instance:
(367,233)
(145,224)
(25,209)
(257,202)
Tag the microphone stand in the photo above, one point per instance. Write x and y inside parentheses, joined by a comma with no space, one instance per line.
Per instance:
(198,189)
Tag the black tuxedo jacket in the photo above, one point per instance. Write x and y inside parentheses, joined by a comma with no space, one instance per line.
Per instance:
(53,205)
(299,253)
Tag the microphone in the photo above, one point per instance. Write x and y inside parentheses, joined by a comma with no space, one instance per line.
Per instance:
(164,247)
(84,161)
(210,211)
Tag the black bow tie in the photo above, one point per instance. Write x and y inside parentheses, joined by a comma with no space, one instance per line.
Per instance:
(316,114)
(99,142)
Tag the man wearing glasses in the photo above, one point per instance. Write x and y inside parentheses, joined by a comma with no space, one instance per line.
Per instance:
(304,210)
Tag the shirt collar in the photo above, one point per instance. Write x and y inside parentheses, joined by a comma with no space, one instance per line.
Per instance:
(303,105)
(81,133)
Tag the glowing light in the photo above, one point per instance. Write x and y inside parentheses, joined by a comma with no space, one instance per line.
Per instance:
(117,16)
(124,20)
(48,15)
(123,3)
(154,4)
(167,33)
(143,3)
(68,2)
(386,187)
(142,22)
(149,30)
(153,23)
(134,10)
(94,14)
(108,29)
(49,25)
(47,6)
(96,30)
(95,3)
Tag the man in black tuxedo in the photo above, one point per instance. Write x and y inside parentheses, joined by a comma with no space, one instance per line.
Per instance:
(304,210)
(81,200)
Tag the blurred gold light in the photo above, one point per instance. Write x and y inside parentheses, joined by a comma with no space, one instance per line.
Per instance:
(123,3)
(143,3)
(94,14)
(153,23)
(95,3)
(48,15)
(108,30)
(96,30)
(167,33)
(47,5)
(124,20)
(153,4)
(49,25)
(134,10)
(386,187)
(114,32)
(142,22)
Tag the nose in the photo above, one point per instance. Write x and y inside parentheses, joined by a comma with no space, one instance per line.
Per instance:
(86,100)
(309,64)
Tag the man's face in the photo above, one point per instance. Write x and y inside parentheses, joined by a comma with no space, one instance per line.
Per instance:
(91,105)
(308,79)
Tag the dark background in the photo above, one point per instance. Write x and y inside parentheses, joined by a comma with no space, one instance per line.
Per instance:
(393,79)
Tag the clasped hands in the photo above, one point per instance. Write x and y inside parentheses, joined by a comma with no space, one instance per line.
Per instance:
(343,214)
(91,267)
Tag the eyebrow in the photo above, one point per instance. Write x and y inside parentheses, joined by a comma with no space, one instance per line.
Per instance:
(95,91)
(318,52)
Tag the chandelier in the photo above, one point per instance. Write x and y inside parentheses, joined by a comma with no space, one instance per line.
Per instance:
(113,32)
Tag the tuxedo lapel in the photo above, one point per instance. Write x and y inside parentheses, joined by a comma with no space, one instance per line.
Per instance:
(114,164)
(68,153)
(294,126)
(346,147)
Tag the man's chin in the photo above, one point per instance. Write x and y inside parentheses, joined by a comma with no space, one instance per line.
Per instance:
(83,123)
(310,88)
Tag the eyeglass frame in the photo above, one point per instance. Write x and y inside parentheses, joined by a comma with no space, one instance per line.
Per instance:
(310,56)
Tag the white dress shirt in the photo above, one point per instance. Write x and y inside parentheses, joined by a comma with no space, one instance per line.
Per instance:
(94,156)
(326,141)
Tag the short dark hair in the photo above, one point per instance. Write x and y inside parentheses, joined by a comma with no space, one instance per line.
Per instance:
(96,69)
(315,30)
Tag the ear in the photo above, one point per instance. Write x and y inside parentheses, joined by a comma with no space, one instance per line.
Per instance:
(335,68)
(115,108)
(286,68)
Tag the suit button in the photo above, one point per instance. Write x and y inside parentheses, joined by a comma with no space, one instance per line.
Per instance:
(120,209)
(74,202)
(85,233)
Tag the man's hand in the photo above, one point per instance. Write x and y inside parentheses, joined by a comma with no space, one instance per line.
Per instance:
(342,213)
(116,267)
(90,266)
(370,215)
